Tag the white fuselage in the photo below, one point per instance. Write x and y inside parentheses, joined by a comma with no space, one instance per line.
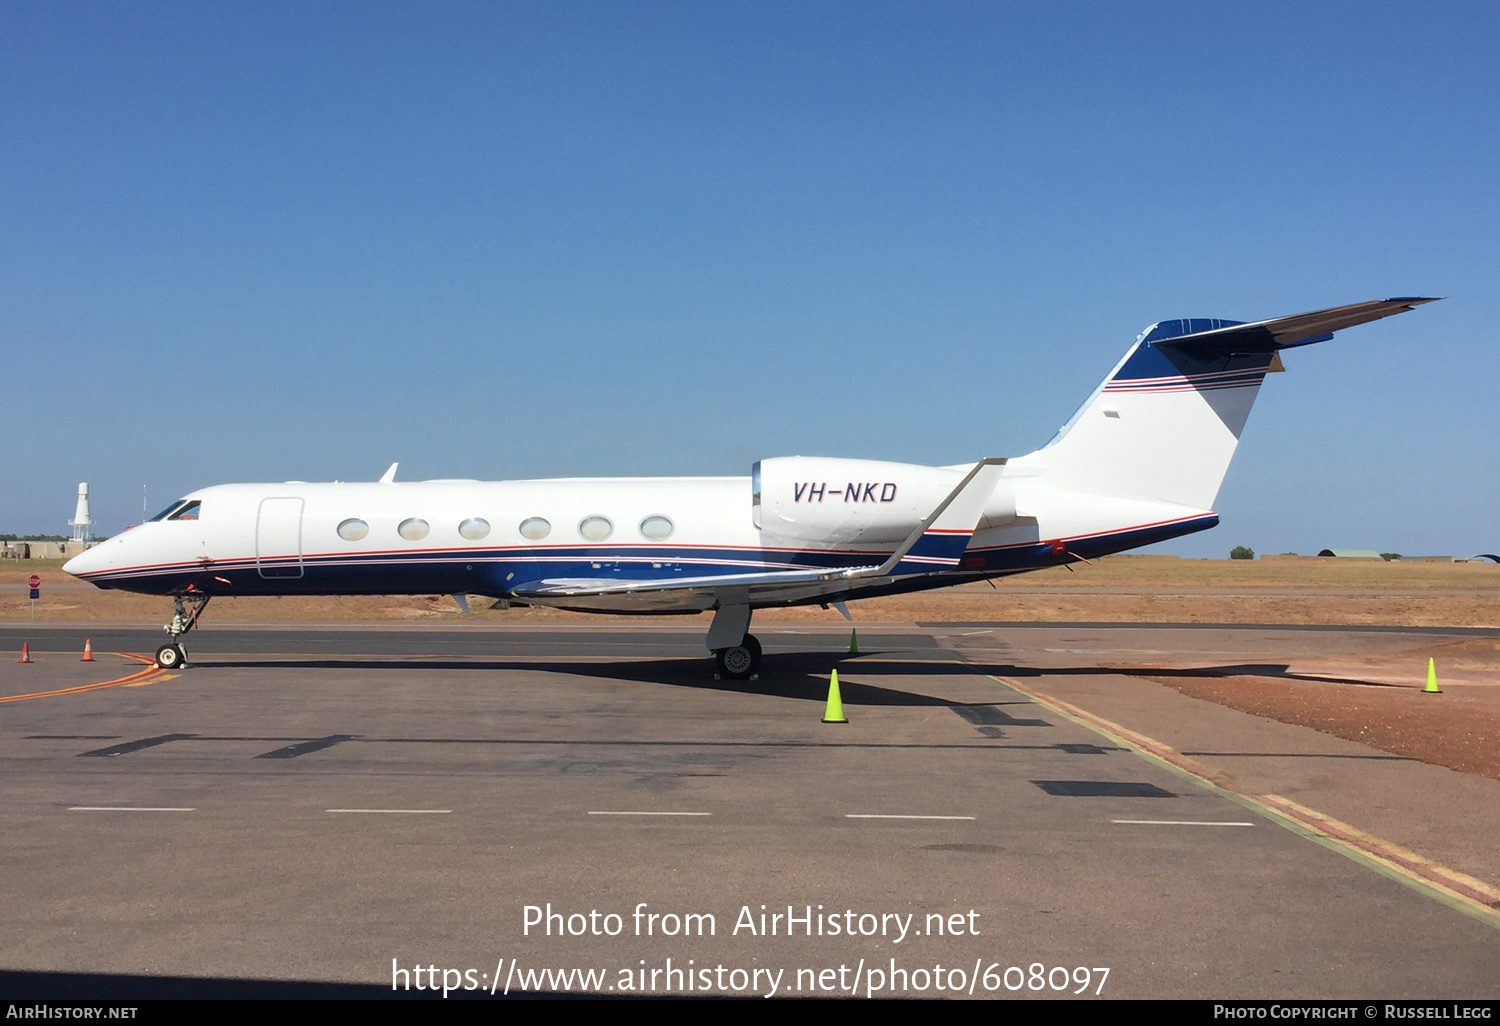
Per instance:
(495,538)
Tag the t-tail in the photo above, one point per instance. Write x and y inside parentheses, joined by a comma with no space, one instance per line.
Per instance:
(1162,427)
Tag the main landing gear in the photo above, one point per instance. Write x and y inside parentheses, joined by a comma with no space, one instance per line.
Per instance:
(172,655)
(736,652)
(739,662)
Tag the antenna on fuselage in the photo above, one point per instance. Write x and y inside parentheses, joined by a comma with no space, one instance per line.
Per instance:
(389,477)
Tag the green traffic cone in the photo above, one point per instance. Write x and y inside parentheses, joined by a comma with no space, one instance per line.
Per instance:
(835,711)
(853,641)
(1431,688)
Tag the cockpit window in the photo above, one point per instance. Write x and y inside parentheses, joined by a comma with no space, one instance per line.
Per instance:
(170,509)
(188,512)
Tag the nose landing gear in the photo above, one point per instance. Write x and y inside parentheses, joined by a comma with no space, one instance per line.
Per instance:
(172,655)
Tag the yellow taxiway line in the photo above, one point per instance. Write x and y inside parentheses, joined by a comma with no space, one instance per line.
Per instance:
(1465,893)
(133,680)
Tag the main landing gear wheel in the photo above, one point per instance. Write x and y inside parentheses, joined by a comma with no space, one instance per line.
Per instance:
(169,657)
(739,662)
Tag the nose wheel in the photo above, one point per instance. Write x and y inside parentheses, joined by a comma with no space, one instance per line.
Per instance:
(187,608)
(738,662)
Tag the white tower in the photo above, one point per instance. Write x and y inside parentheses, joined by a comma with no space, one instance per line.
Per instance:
(81,522)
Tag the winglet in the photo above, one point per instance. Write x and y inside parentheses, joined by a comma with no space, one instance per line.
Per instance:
(947,529)
(389,477)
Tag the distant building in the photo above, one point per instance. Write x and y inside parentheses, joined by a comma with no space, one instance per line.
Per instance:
(40,549)
(1351,553)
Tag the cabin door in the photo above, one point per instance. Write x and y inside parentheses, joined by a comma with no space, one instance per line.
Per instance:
(278,538)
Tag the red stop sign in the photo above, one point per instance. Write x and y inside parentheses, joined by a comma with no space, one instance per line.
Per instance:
(36,582)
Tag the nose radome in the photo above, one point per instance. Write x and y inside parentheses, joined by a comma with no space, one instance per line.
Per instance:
(88,561)
(79,564)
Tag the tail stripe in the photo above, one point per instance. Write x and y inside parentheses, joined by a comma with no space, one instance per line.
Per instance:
(1120,380)
(1186,385)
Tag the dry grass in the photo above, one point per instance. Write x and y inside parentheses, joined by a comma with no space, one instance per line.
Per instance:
(1120,589)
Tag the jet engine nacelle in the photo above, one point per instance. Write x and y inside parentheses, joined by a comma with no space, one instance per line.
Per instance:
(820,499)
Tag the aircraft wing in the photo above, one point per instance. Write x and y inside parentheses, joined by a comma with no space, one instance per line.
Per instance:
(935,545)
(565,587)
(1287,332)
(693,593)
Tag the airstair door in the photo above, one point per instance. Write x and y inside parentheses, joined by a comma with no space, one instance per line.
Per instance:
(278,538)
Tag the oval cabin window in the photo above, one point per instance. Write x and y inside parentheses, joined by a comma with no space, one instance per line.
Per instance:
(656,528)
(414,529)
(535,528)
(474,528)
(353,529)
(596,528)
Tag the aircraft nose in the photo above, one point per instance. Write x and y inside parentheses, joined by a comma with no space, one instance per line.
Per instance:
(88,561)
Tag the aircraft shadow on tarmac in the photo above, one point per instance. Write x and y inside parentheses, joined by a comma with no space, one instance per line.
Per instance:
(792,674)
(786,675)
(1278,671)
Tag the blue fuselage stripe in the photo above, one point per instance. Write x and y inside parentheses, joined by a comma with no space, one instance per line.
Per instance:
(496,571)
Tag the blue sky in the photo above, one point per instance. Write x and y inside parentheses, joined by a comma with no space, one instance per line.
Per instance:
(300,241)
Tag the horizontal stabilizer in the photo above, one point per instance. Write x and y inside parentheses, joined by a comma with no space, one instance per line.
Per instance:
(1273,335)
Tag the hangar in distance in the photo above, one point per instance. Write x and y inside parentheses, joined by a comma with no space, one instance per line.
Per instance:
(1141,461)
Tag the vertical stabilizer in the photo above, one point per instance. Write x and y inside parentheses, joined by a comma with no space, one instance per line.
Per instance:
(1164,425)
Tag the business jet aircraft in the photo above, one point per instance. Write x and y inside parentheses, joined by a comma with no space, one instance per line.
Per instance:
(1140,462)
